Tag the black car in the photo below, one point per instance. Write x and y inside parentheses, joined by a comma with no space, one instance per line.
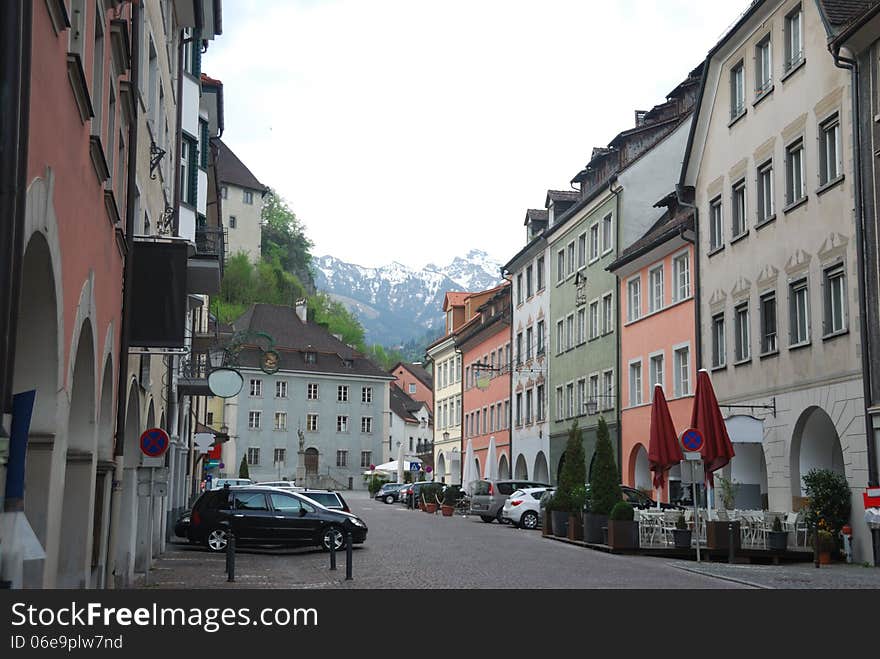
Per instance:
(390,492)
(637,499)
(268,516)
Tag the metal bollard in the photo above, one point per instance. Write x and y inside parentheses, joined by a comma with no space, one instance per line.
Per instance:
(230,556)
(731,546)
(333,554)
(348,551)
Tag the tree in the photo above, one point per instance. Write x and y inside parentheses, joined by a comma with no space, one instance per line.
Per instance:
(284,238)
(243,468)
(574,470)
(605,480)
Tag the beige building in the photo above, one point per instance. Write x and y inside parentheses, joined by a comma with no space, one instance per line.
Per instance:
(770,165)
(242,196)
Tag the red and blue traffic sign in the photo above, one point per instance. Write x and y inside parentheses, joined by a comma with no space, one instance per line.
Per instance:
(692,440)
(154,442)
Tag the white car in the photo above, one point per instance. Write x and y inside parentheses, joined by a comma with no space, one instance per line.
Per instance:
(218,483)
(289,485)
(523,507)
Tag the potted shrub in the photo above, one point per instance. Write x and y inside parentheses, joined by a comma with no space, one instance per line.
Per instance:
(450,496)
(681,534)
(572,482)
(727,490)
(827,545)
(575,513)
(604,491)
(777,538)
(429,493)
(559,506)
(623,531)
(828,497)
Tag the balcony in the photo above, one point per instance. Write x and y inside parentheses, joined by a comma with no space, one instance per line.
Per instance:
(192,375)
(205,267)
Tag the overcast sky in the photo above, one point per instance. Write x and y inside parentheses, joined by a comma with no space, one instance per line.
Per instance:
(416,130)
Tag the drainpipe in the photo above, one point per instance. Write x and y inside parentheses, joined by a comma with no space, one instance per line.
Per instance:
(509,380)
(122,368)
(698,336)
(617,333)
(852,64)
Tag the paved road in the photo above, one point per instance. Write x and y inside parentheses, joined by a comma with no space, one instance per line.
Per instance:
(410,549)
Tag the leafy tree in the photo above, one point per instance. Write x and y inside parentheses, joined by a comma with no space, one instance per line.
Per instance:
(829,496)
(284,238)
(243,468)
(338,320)
(574,470)
(605,481)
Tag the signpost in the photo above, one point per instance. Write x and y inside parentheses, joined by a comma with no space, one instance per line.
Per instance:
(154,442)
(692,442)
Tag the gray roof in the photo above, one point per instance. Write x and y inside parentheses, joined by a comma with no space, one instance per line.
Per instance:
(403,405)
(230,169)
(841,12)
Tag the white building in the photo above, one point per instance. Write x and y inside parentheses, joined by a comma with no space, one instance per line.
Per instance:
(242,196)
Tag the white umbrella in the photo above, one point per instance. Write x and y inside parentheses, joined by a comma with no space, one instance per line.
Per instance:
(491,470)
(468,475)
(400,463)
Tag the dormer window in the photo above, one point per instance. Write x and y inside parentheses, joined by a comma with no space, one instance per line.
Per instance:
(310,358)
(348,363)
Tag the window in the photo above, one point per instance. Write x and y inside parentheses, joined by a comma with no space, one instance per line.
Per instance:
(582,325)
(794,43)
(829,146)
(768,323)
(280,420)
(569,331)
(97,71)
(560,413)
(581,395)
(224,192)
(569,399)
(607,229)
(366,459)
(594,319)
(248,197)
(607,314)
(594,390)
(254,420)
(635,383)
(738,204)
(309,357)
(341,423)
(519,348)
(540,337)
(607,390)
(835,299)
(529,342)
(506,412)
(279,455)
(366,424)
(737,91)
(634,299)
(794,174)
(682,371)
(540,269)
(539,395)
(765,191)
(209,418)
(312,423)
(582,250)
(256,388)
(518,408)
(530,289)
(716,225)
(312,391)
(681,272)
(799,312)
(570,257)
(763,67)
(341,458)
(280,389)
(560,265)
(560,337)
(656,372)
(719,356)
(656,299)
(188,172)
(519,288)
(742,350)
(253,458)
(594,242)
(366,394)
(342,393)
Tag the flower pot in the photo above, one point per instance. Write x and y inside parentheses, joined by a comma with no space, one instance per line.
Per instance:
(593,524)
(777,540)
(682,538)
(431,508)
(623,534)
(560,523)
(575,527)
(824,557)
(422,506)
(546,525)
(447,510)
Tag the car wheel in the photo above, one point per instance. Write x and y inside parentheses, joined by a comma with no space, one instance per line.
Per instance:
(529,520)
(487,518)
(389,499)
(333,537)
(500,516)
(216,540)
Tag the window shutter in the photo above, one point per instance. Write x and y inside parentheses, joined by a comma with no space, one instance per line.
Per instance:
(197,54)
(193,172)
(203,147)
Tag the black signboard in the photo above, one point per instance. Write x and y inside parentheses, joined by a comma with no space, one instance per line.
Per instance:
(158,296)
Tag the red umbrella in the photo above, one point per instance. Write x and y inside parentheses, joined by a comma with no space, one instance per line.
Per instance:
(664,451)
(706,417)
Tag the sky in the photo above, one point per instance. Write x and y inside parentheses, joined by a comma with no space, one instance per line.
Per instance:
(416,130)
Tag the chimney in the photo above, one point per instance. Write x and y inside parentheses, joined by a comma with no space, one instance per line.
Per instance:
(301,309)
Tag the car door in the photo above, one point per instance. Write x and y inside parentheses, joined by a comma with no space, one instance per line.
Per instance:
(293,519)
(251,517)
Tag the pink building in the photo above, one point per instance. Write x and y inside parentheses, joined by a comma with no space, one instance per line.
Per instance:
(484,342)
(414,381)
(657,337)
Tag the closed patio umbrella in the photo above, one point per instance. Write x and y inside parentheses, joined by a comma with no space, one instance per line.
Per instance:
(706,417)
(468,474)
(664,451)
(400,463)
(491,471)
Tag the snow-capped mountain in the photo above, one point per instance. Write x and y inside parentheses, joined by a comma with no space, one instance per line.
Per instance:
(395,303)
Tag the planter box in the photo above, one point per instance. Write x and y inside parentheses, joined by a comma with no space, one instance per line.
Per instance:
(546,525)
(593,525)
(575,527)
(560,523)
(431,508)
(623,534)
(447,510)
(682,538)
(717,535)
(777,540)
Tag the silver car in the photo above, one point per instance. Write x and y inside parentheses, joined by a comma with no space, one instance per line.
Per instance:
(523,507)
(489,496)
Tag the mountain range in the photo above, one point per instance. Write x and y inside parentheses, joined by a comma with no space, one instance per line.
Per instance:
(397,304)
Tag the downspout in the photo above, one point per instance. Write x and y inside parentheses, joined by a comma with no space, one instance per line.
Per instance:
(509,418)
(617,334)
(15,72)
(853,65)
(122,368)
(698,335)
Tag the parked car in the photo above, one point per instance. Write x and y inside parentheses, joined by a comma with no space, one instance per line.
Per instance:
(390,492)
(523,507)
(413,492)
(269,516)
(327,498)
(489,496)
(286,484)
(219,483)
(638,499)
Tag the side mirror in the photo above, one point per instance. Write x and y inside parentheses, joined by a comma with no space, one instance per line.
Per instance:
(302,512)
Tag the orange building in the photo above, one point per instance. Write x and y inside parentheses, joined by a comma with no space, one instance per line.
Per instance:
(656,288)
(414,381)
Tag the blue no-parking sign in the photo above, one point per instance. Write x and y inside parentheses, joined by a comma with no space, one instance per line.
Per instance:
(692,440)
(154,442)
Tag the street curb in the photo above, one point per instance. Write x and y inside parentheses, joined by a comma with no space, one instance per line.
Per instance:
(723,578)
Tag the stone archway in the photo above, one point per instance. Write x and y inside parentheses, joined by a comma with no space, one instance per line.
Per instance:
(37,366)
(542,472)
(560,465)
(503,468)
(815,443)
(441,466)
(639,472)
(521,469)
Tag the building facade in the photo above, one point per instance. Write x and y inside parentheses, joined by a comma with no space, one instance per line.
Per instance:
(414,381)
(242,196)
(410,426)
